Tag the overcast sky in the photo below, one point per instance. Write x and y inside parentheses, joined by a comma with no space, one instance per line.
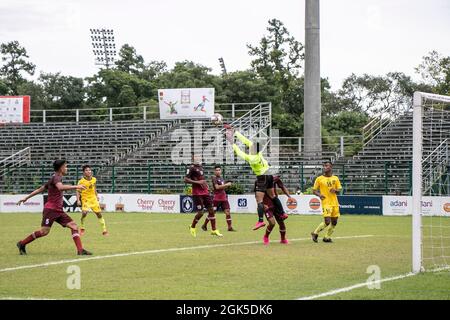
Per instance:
(357,36)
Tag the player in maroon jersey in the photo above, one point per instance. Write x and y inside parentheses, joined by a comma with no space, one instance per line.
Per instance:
(200,194)
(53,209)
(272,214)
(220,199)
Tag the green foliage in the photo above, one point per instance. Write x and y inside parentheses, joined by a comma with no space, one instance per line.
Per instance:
(163,191)
(187,189)
(308,191)
(15,64)
(235,188)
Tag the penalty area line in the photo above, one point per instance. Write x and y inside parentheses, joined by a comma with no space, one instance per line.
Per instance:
(117,255)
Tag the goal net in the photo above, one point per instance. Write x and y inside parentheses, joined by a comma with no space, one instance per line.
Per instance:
(431,182)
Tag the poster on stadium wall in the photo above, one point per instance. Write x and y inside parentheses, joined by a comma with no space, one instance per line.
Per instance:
(14,109)
(361,204)
(8,203)
(195,103)
(69,203)
(402,205)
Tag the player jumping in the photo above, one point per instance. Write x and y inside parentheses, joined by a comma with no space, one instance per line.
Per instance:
(201,196)
(89,199)
(220,199)
(326,187)
(259,165)
(53,209)
(270,211)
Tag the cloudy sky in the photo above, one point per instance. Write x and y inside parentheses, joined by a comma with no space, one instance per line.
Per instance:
(357,36)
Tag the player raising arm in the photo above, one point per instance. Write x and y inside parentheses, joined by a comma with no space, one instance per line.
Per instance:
(53,209)
(259,165)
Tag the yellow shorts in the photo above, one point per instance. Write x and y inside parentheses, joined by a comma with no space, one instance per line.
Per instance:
(90,204)
(331,212)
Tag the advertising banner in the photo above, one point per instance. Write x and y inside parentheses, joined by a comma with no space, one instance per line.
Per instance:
(14,109)
(195,103)
(361,204)
(8,203)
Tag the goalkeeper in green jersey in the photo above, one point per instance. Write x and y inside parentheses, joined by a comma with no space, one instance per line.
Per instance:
(260,166)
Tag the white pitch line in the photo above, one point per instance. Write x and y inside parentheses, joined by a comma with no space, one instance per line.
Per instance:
(364,284)
(26,298)
(53,263)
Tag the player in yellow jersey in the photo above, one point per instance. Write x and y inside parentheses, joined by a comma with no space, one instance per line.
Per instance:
(326,187)
(88,199)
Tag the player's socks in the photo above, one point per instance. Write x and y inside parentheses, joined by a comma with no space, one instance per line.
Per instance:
(229,223)
(31,237)
(278,205)
(102,223)
(77,240)
(213,222)
(205,224)
(83,218)
(260,212)
(330,231)
(320,227)
(269,230)
(283,234)
(197,217)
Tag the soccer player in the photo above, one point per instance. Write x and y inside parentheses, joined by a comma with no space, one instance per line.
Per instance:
(53,209)
(88,199)
(259,165)
(220,197)
(271,215)
(326,187)
(201,196)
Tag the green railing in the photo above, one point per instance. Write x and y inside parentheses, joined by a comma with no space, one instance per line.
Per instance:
(383,178)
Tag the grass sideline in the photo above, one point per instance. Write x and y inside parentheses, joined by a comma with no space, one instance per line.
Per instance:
(236,266)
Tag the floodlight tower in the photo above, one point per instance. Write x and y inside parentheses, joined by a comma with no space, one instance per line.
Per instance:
(312,101)
(103,46)
(222,65)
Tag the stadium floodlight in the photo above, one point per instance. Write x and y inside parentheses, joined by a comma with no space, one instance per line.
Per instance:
(222,65)
(103,46)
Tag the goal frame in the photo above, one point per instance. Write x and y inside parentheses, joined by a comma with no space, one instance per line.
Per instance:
(418,103)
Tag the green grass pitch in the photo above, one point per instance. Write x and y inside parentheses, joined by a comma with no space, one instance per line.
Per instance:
(162,261)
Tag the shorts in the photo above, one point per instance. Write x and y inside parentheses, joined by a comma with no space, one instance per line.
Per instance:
(202,202)
(269,212)
(223,204)
(51,215)
(263,183)
(93,205)
(331,212)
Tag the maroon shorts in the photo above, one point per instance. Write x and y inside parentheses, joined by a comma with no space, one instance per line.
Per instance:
(269,212)
(202,202)
(51,215)
(223,204)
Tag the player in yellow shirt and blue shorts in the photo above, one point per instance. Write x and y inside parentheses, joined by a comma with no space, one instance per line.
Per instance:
(326,187)
(88,199)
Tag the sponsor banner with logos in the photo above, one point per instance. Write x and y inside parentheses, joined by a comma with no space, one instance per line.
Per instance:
(193,103)
(8,203)
(402,205)
(301,204)
(186,204)
(361,204)
(242,203)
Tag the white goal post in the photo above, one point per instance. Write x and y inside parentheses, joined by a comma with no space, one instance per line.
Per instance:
(420,100)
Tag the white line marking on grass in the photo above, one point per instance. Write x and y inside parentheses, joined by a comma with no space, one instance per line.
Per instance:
(53,263)
(26,298)
(364,284)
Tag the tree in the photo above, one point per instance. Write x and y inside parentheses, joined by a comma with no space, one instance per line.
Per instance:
(62,92)
(435,72)
(15,63)
(130,61)
(375,94)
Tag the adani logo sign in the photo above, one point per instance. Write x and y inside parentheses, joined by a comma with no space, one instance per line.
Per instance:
(398,203)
